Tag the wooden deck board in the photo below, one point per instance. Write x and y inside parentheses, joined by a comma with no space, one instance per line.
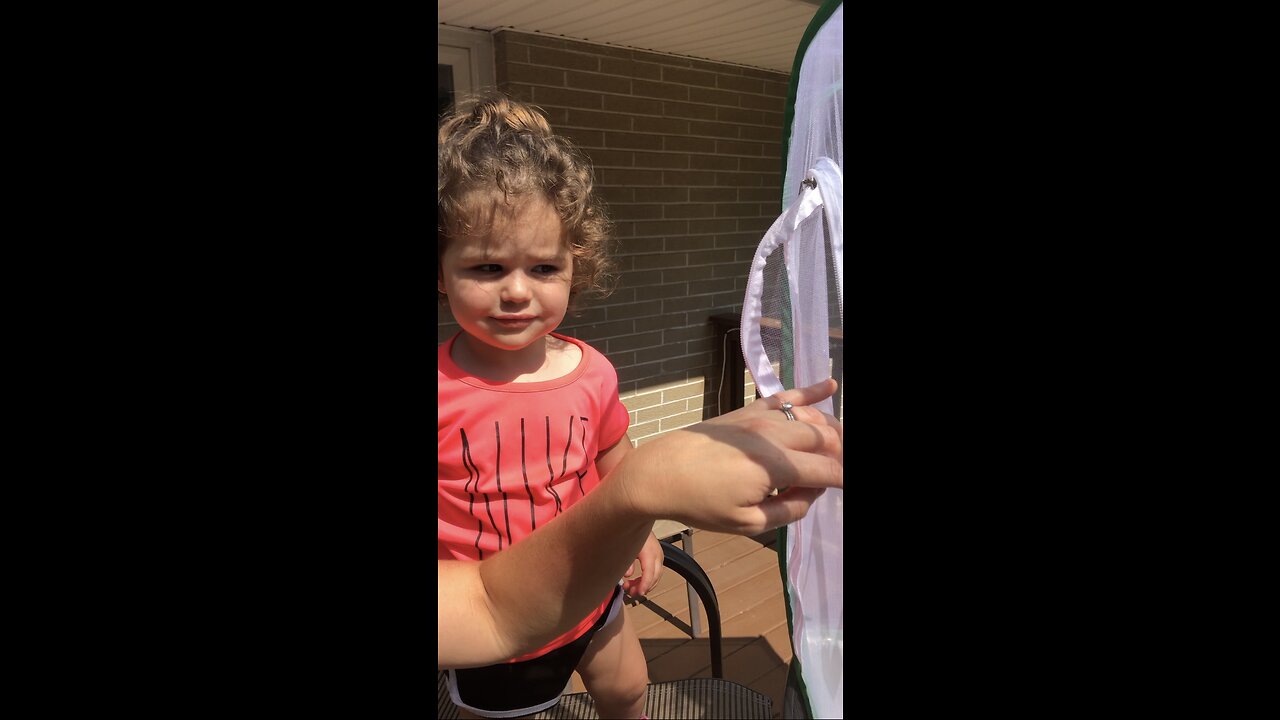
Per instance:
(773,684)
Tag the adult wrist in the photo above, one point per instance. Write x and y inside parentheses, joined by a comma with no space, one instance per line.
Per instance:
(633,481)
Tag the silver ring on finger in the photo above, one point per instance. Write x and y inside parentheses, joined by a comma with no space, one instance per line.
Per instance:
(786,410)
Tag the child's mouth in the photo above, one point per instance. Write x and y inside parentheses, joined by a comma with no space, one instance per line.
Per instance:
(514,322)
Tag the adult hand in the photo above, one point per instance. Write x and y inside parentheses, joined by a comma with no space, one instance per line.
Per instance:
(721,474)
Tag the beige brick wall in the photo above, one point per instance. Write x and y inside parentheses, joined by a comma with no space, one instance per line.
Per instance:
(687,156)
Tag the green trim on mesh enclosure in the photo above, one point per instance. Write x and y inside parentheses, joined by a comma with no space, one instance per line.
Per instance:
(819,19)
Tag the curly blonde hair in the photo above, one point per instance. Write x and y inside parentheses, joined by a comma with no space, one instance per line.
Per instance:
(495,144)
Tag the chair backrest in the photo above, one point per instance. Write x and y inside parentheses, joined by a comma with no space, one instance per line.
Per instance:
(664,529)
(683,564)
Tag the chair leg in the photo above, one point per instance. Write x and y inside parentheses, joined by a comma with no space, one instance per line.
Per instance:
(685,566)
(695,618)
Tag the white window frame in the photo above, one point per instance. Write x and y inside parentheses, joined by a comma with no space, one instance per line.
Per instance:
(470,54)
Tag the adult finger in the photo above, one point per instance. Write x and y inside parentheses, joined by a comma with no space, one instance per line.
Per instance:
(814,431)
(788,507)
(807,395)
(825,437)
(800,398)
(808,469)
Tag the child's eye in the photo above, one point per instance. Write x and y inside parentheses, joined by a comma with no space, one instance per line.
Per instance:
(487,268)
(545,269)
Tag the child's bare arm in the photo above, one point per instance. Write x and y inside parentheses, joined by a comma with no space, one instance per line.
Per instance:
(607,460)
(650,560)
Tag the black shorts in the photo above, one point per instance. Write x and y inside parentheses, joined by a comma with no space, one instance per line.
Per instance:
(523,688)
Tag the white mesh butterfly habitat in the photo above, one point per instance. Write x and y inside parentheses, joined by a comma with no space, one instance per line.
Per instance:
(793,336)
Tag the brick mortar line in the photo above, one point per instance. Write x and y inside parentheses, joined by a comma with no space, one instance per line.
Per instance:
(662,169)
(753,245)
(612,166)
(691,219)
(659,419)
(682,152)
(668,152)
(633,97)
(647,115)
(678,135)
(674,357)
(782,100)
(664,284)
(515,40)
(566,126)
(782,79)
(779,98)
(687,170)
(667,283)
(687,234)
(688,383)
(681,201)
(682,185)
(659,392)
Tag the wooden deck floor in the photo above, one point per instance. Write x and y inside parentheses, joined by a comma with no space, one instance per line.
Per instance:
(753,617)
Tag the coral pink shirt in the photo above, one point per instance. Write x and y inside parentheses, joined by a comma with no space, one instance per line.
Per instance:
(514,456)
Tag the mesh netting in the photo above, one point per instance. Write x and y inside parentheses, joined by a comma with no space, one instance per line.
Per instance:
(792,318)
(793,335)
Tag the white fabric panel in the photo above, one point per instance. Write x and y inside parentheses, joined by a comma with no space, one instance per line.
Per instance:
(806,257)
(815,544)
(791,328)
(815,560)
(829,176)
(753,346)
(817,128)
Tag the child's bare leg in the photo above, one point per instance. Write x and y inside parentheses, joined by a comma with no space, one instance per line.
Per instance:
(615,672)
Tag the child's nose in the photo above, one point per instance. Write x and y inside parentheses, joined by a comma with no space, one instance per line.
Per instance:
(516,288)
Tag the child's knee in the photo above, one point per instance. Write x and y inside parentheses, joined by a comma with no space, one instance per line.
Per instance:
(626,695)
(624,688)
(634,678)
(637,693)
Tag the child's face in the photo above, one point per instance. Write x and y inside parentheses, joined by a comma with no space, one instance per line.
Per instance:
(511,288)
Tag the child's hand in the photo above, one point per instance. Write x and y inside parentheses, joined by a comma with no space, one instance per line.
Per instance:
(651,568)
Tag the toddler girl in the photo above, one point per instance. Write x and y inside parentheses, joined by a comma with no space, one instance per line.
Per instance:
(529,420)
